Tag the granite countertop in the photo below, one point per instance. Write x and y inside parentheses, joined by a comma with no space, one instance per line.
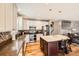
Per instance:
(51,38)
(12,48)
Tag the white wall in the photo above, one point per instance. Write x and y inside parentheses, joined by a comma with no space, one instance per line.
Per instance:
(57,27)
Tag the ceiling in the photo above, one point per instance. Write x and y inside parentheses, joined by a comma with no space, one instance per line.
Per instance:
(54,11)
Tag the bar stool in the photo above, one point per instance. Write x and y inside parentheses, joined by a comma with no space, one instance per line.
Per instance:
(65,47)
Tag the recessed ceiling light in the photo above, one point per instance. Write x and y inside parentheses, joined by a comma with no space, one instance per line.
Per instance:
(60,11)
(50,9)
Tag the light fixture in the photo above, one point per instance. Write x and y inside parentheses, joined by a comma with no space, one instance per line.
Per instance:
(59,11)
(50,9)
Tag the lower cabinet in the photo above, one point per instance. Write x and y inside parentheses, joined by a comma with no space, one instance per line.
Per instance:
(22,50)
(49,48)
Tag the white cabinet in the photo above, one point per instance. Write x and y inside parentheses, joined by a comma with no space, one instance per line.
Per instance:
(8,17)
(11,17)
(14,17)
(2,18)
(19,23)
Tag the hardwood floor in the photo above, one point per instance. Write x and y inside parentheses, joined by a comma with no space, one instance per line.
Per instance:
(33,49)
(75,50)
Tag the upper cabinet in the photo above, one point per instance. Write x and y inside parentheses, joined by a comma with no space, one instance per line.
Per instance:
(14,16)
(19,23)
(2,17)
(8,16)
(11,17)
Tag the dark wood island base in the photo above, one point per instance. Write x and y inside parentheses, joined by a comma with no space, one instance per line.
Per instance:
(49,45)
(49,48)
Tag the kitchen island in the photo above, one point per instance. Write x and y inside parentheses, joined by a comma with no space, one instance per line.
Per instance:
(13,47)
(49,44)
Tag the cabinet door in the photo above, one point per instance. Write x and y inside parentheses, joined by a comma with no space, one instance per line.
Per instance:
(8,16)
(2,18)
(53,48)
(14,16)
(11,14)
